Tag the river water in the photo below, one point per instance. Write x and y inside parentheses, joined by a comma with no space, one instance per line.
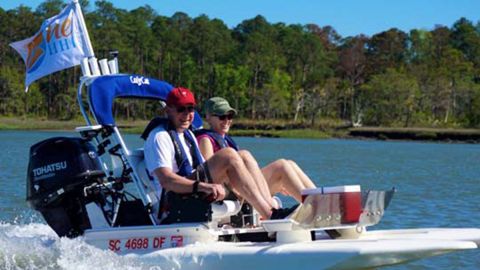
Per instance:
(438,186)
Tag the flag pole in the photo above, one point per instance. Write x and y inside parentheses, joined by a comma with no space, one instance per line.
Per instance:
(83,26)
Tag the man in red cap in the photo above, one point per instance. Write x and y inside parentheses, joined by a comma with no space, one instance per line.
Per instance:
(172,157)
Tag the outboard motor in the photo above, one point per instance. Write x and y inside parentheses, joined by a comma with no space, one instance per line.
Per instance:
(58,171)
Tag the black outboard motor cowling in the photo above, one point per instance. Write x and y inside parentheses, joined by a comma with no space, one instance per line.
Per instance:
(58,170)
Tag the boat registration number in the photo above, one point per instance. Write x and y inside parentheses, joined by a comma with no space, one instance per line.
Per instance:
(138,243)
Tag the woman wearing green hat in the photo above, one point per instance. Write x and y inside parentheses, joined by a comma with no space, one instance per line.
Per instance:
(282,175)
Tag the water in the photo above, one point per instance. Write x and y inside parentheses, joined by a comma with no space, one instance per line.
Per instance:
(438,186)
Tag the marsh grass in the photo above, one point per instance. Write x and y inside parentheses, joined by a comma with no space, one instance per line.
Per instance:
(264,128)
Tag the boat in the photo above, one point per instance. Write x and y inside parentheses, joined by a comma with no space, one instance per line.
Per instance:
(95,187)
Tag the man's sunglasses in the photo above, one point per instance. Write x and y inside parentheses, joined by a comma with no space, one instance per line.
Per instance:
(226,116)
(183,109)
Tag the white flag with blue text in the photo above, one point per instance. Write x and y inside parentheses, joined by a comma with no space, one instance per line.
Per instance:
(59,44)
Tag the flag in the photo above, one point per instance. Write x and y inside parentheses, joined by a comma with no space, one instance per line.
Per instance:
(59,44)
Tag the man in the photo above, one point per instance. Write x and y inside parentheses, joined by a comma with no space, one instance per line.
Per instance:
(172,157)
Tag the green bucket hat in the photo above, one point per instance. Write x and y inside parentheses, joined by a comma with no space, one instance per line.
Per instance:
(218,106)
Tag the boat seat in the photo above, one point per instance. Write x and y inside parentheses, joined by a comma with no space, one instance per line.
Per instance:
(152,188)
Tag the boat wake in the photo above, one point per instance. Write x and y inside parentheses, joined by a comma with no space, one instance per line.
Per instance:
(36,246)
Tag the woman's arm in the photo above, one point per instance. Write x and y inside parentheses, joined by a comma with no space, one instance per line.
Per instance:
(206,147)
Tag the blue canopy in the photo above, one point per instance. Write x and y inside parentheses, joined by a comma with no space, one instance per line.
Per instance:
(104,90)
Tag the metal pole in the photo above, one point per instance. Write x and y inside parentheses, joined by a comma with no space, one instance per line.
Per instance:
(80,103)
(83,26)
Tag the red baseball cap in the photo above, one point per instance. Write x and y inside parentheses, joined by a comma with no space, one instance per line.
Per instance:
(180,96)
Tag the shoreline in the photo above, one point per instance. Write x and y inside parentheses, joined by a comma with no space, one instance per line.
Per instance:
(273,131)
(418,134)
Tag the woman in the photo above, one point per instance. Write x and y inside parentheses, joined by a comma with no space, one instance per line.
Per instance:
(282,175)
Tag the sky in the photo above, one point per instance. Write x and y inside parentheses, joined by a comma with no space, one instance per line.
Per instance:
(347,17)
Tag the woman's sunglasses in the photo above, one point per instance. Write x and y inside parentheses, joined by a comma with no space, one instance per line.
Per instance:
(226,116)
(183,109)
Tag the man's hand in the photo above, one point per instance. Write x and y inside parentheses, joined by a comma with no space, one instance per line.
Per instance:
(215,192)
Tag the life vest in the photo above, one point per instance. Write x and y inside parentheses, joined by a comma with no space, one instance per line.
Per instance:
(222,142)
(183,164)
(176,207)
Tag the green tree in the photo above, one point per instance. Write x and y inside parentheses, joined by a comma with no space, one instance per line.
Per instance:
(50,8)
(473,109)
(466,38)
(231,81)
(104,29)
(275,97)
(456,74)
(173,57)
(390,98)
(138,36)
(307,63)
(386,50)
(260,53)
(351,66)
(210,42)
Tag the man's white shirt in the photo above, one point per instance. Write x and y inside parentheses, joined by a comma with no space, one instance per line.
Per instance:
(160,152)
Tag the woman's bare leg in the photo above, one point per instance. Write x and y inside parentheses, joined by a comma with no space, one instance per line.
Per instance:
(307,182)
(226,166)
(254,169)
(281,176)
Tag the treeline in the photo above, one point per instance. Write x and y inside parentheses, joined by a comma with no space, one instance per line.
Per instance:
(268,71)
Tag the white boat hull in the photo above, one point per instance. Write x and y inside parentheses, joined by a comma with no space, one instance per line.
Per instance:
(467,234)
(371,249)
(329,254)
